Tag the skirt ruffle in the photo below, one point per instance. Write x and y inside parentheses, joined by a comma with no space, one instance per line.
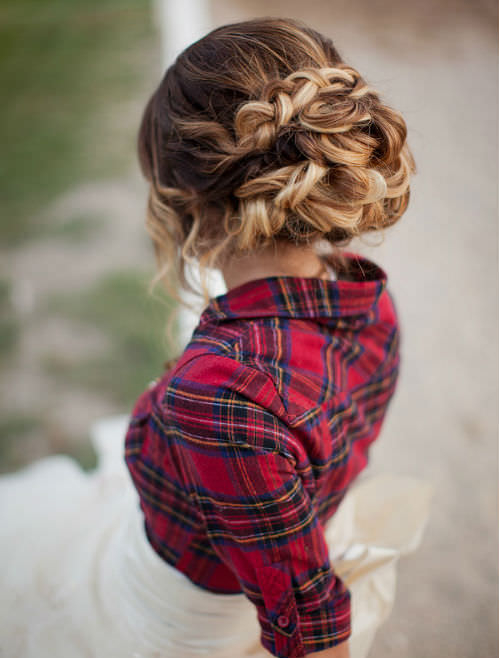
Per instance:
(80,579)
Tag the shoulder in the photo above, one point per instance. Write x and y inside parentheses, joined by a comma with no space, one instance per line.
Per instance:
(216,374)
(212,397)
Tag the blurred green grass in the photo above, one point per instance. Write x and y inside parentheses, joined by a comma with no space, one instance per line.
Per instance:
(70,72)
(135,322)
(119,306)
(9,325)
(77,228)
(75,77)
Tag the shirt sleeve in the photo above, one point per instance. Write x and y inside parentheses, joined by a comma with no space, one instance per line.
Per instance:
(260,519)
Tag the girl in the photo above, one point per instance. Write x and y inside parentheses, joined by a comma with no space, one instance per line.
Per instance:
(230,526)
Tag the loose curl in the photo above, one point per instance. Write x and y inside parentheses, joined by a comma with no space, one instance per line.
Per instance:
(258,133)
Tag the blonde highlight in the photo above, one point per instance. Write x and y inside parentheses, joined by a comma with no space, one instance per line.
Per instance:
(258,133)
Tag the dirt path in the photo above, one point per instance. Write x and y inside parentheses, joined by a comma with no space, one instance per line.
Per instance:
(44,267)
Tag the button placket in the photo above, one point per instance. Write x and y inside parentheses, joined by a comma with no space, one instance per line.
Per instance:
(283,621)
(284,617)
(280,603)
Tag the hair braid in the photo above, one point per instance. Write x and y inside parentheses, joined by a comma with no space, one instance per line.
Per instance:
(260,132)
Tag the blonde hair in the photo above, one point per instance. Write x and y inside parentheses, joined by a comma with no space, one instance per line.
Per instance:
(259,133)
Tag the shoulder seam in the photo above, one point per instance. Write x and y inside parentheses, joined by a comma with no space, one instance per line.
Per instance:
(284,417)
(252,363)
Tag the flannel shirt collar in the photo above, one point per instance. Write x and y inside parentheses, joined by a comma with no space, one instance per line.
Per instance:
(303,297)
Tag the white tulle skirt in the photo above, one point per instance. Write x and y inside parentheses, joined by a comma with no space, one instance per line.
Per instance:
(79,578)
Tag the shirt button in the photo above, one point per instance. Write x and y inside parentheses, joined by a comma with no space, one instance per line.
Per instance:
(283,620)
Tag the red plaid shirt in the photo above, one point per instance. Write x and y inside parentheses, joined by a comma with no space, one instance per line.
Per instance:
(244,449)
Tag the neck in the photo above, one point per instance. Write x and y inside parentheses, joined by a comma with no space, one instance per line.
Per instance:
(285,259)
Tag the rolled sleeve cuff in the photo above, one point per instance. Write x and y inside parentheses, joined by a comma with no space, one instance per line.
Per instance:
(288,632)
(326,626)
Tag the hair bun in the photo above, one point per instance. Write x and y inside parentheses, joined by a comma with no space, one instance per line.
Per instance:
(345,177)
(260,132)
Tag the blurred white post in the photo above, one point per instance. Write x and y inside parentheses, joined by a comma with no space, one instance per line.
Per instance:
(181,22)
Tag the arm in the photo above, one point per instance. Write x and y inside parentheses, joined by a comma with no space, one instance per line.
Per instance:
(260,519)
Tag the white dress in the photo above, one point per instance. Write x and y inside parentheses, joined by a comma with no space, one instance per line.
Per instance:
(80,580)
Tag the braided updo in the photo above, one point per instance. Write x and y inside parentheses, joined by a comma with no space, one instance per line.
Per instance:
(260,132)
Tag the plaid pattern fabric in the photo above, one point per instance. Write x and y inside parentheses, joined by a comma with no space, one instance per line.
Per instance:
(244,449)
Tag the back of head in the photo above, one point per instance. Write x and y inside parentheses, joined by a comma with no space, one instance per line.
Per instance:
(258,133)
